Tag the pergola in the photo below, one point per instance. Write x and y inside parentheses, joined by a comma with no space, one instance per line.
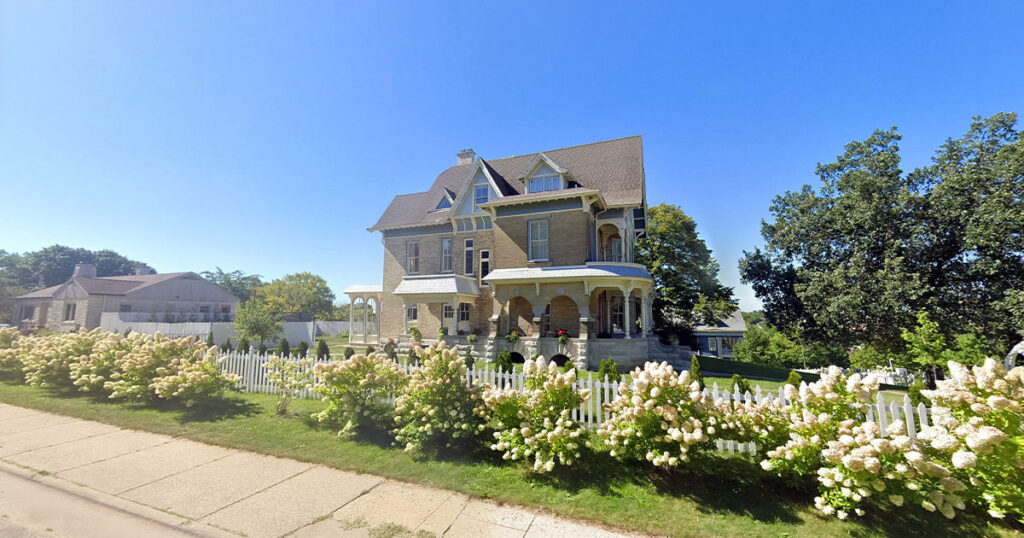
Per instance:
(369,297)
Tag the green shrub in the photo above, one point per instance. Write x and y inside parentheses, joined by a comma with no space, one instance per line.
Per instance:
(504,362)
(262,350)
(283,348)
(416,335)
(348,352)
(390,348)
(209,340)
(696,372)
(226,347)
(322,350)
(722,366)
(370,349)
(914,391)
(610,370)
(302,349)
(469,358)
(794,378)
(243,345)
(740,383)
(472,338)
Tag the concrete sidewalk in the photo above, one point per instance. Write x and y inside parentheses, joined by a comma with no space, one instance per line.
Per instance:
(105,481)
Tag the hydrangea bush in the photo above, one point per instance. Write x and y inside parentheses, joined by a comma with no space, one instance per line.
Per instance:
(977,421)
(194,379)
(354,389)
(290,376)
(438,410)
(536,421)
(661,418)
(10,360)
(48,359)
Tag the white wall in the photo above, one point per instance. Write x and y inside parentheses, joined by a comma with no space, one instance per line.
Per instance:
(294,331)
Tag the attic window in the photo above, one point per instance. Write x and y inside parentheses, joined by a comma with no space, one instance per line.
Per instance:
(445,203)
(481,194)
(544,183)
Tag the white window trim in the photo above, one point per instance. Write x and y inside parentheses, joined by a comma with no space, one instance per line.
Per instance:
(447,312)
(468,311)
(469,252)
(450,258)
(559,183)
(409,257)
(530,241)
(480,266)
(476,193)
(412,308)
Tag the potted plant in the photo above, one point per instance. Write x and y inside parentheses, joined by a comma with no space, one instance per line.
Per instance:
(513,336)
(416,335)
(442,332)
(563,337)
(472,338)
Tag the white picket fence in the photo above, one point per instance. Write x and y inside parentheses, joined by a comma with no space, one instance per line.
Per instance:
(591,412)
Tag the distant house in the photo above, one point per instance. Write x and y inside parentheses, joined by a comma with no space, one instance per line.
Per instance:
(79,302)
(718,340)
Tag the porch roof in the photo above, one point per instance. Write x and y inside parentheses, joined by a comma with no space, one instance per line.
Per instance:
(437,285)
(589,271)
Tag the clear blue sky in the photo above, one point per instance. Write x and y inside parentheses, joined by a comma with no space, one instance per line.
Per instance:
(267,136)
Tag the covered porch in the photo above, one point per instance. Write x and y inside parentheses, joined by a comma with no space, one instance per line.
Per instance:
(437,303)
(364,313)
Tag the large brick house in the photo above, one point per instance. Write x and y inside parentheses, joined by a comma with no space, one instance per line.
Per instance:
(538,243)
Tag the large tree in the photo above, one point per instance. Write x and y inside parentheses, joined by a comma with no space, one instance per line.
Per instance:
(54,265)
(685,273)
(240,284)
(855,260)
(254,320)
(301,292)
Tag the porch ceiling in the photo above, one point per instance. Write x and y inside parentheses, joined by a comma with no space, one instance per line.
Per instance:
(593,271)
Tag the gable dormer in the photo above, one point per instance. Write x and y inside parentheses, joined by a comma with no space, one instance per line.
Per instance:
(480,189)
(542,175)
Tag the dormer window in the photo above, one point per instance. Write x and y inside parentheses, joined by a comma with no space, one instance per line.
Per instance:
(544,183)
(481,194)
(445,203)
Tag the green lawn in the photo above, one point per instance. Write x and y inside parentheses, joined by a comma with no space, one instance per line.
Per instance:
(720,497)
(337,345)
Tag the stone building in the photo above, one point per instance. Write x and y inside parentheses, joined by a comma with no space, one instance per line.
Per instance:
(79,302)
(534,244)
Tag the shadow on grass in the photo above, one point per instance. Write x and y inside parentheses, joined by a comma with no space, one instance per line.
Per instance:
(223,408)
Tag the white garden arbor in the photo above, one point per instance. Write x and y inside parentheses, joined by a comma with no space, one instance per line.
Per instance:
(367,329)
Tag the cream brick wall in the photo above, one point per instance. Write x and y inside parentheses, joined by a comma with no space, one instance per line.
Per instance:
(568,239)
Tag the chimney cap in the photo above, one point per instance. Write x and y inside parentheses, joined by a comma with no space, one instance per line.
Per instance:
(466,156)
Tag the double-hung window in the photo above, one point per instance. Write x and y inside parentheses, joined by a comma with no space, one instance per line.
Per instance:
(463,311)
(446,255)
(485,265)
(412,255)
(470,265)
(69,312)
(449,312)
(481,194)
(538,239)
(411,312)
(545,183)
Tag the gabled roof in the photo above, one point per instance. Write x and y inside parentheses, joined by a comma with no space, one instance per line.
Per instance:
(107,285)
(613,167)
(733,324)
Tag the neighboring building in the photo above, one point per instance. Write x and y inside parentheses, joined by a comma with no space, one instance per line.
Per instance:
(81,300)
(538,243)
(719,339)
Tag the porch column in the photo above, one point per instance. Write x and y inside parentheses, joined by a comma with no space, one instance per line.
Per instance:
(366,321)
(405,318)
(643,314)
(351,319)
(454,329)
(628,321)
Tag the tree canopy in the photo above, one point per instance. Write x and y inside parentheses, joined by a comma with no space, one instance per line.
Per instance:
(685,273)
(238,283)
(300,292)
(854,261)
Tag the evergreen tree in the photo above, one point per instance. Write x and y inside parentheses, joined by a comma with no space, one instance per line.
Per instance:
(226,346)
(243,345)
(262,350)
(209,340)
(696,372)
(610,369)
(283,349)
(794,378)
(322,350)
(302,349)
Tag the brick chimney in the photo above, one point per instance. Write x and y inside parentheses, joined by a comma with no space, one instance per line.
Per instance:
(143,270)
(84,270)
(466,156)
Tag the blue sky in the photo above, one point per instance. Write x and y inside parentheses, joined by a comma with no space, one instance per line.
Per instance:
(267,136)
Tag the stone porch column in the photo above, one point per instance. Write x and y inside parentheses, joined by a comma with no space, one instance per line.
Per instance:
(628,321)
